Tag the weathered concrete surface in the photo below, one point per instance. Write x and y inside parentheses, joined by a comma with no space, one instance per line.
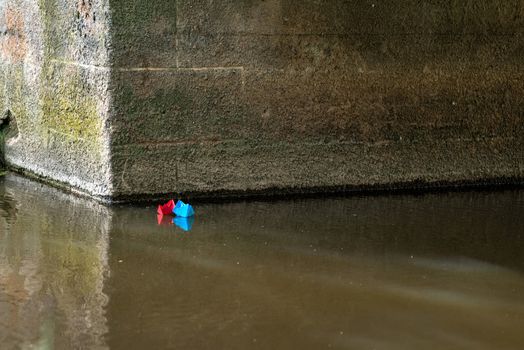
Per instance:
(59,103)
(243,96)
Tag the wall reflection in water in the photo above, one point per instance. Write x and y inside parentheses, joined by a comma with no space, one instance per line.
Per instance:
(53,263)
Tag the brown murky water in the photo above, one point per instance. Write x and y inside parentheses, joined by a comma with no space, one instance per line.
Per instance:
(438,271)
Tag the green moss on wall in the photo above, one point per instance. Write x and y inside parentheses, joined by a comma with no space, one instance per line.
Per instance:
(68,109)
(53,34)
(18,94)
(67,104)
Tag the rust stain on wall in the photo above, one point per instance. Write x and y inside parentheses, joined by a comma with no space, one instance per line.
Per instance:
(14,45)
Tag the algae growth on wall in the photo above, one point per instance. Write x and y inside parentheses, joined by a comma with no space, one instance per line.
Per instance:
(58,101)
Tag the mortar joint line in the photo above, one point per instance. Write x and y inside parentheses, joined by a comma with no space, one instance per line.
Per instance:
(151,69)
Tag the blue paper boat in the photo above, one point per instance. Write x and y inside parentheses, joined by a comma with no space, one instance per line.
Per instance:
(185,224)
(183,210)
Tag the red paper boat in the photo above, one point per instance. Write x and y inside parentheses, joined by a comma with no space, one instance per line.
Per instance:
(167,208)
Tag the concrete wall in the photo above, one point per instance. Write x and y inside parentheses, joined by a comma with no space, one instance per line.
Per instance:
(49,51)
(209,96)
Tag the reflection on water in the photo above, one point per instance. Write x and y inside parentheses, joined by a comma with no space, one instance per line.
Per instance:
(53,263)
(186,224)
(397,272)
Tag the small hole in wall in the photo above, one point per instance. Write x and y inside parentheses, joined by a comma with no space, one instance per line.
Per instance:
(8,127)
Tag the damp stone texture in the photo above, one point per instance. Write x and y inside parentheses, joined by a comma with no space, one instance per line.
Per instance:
(57,101)
(136,99)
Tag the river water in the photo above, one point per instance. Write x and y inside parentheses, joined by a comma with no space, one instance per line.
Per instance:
(435,271)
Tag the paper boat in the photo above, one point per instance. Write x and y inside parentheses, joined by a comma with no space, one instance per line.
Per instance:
(183,210)
(185,224)
(166,209)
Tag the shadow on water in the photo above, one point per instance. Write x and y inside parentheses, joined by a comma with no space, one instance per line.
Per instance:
(395,272)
